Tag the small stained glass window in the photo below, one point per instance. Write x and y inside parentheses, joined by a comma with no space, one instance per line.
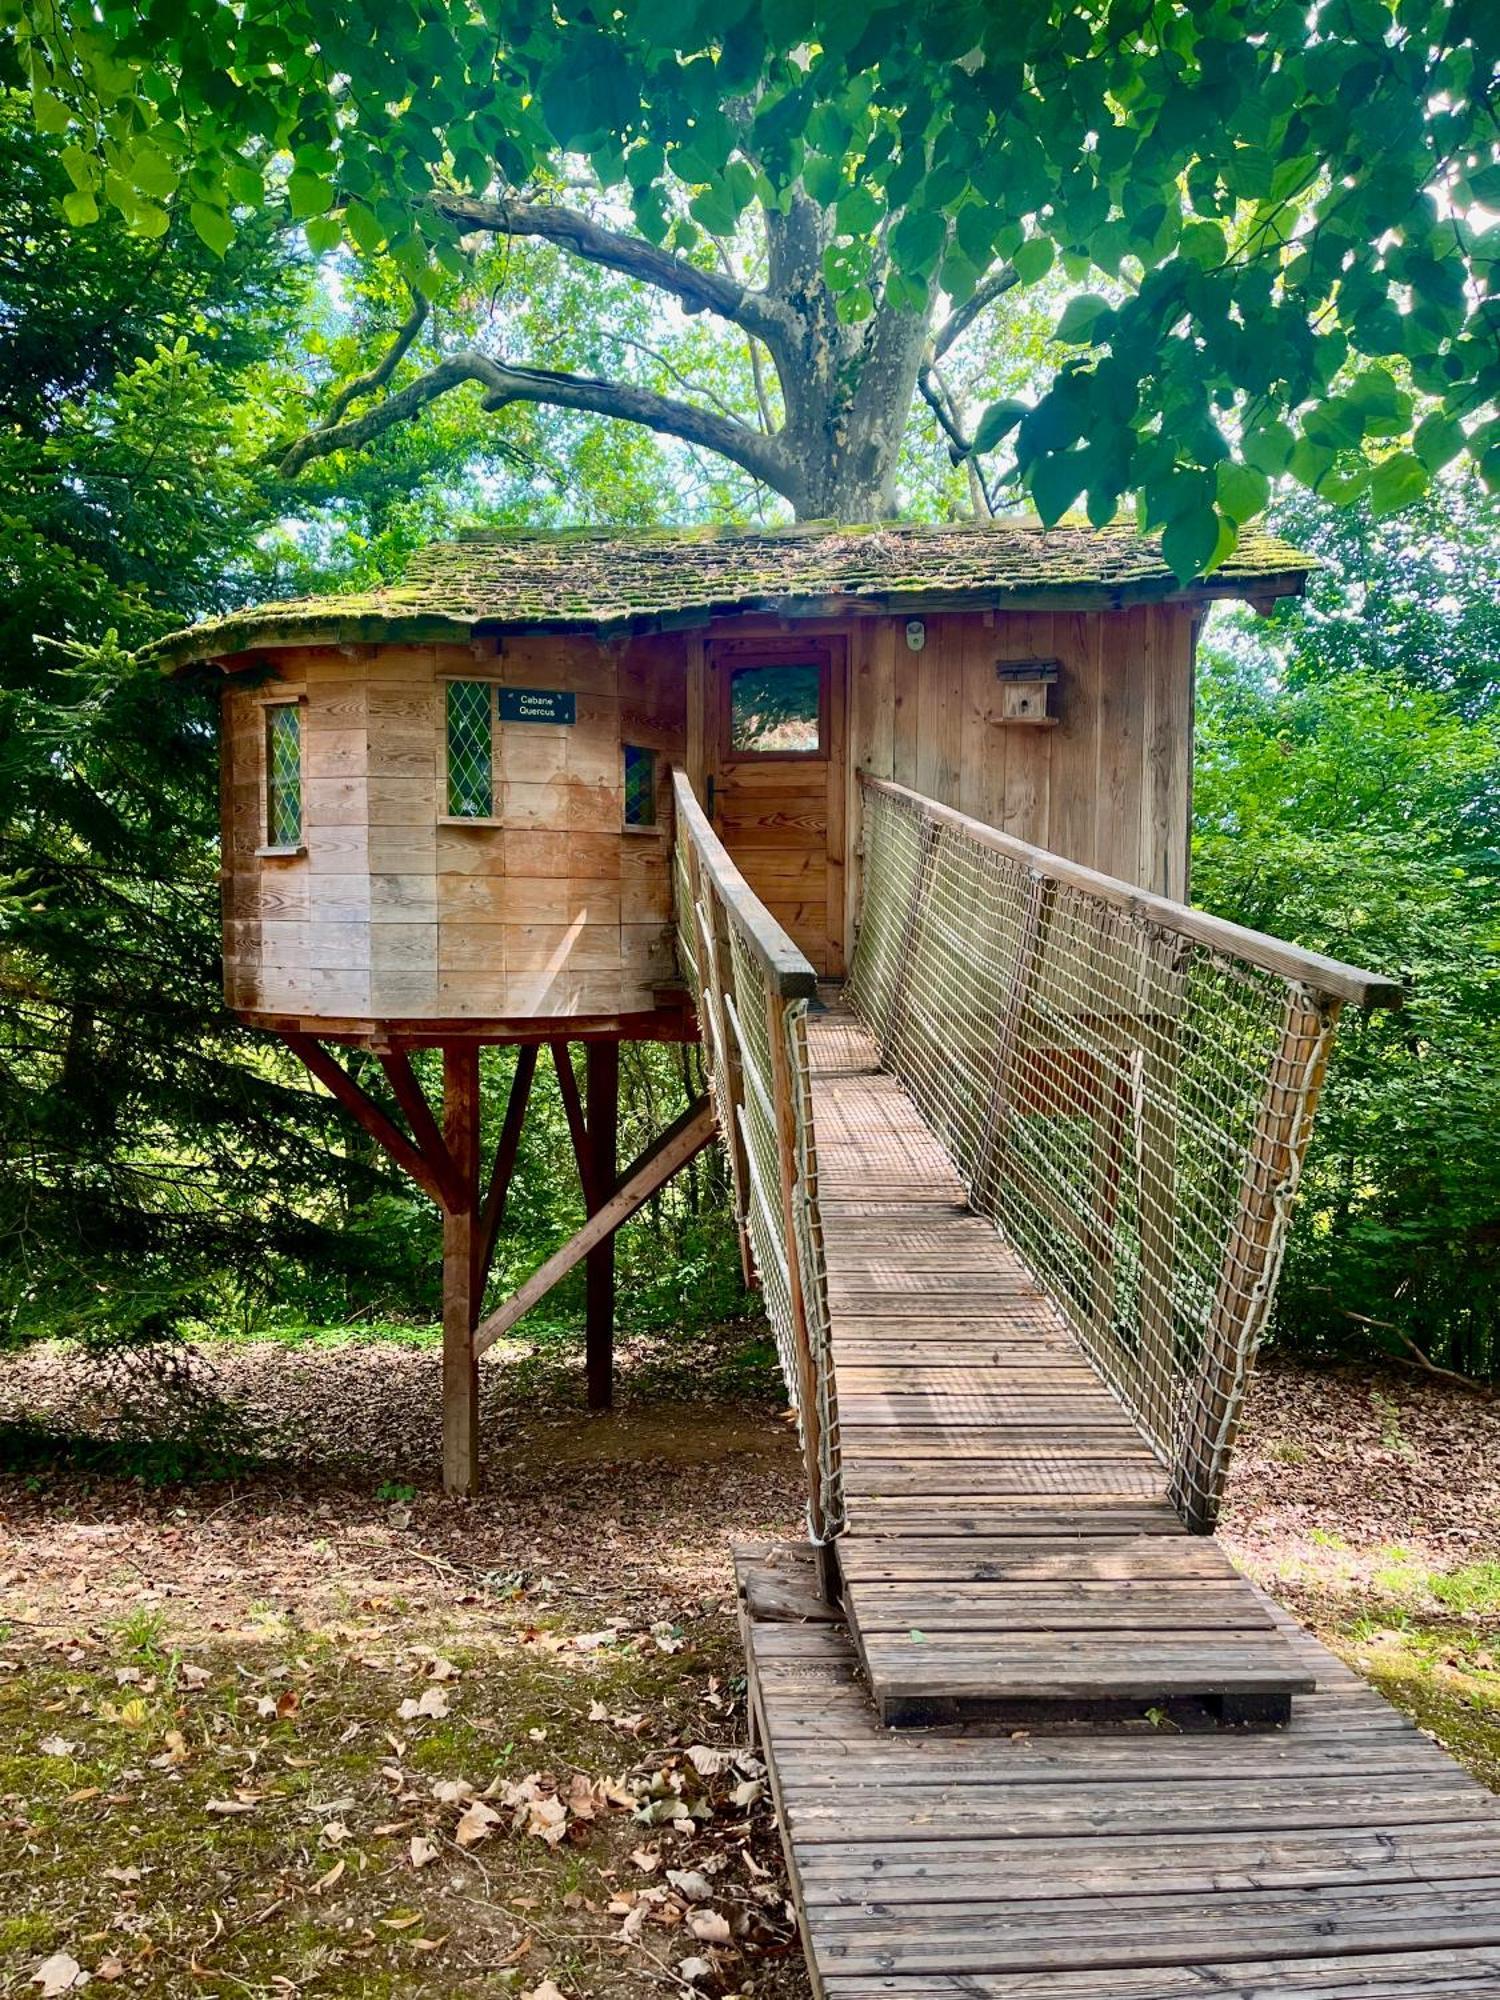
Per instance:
(640,786)
(283,774)
(471,791)
(776,711)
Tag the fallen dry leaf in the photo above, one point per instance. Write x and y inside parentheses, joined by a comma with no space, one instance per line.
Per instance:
(228,1806)
(56,1746)
(432,1703)
(708,1927)
(334,1874)
(478,1823)
(59,1974)
(548,1990)
(421,1851)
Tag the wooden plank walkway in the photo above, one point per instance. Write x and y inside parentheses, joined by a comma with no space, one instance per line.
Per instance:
(1345,1858)
(1010,1551)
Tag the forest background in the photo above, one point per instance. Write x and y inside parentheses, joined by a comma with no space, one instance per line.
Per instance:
(164,1174)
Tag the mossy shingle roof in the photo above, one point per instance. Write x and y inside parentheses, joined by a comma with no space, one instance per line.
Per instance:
(612,581)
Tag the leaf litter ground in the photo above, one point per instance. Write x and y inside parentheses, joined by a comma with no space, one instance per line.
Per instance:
(315,1729)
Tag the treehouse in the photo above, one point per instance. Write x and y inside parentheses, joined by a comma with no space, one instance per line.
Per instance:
(896,820)
(496,802)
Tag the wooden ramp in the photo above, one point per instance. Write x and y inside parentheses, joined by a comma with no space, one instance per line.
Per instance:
(1345,1858)
(1010,1553)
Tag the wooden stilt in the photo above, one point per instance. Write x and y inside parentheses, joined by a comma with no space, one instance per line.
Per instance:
(603,1060)
(462,1258)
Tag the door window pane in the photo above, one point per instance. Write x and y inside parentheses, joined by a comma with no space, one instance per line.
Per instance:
(471,792)
(283,775)
(775,711)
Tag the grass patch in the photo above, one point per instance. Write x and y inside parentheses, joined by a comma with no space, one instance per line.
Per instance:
(292,1814)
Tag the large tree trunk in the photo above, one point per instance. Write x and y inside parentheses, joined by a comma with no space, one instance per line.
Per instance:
(846,390)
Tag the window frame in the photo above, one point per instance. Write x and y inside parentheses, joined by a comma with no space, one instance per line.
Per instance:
(445,816)
(737,658)
(270,848)
(639,826)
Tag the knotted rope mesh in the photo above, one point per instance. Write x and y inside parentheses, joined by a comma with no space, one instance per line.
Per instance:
(1129,1105)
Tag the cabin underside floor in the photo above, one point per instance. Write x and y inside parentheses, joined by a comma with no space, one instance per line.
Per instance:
(1010,1554)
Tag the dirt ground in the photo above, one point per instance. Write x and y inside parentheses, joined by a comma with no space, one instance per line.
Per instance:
(309,1727)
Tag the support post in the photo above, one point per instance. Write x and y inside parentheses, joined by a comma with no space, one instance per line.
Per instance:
(462,1259)
(603,1077)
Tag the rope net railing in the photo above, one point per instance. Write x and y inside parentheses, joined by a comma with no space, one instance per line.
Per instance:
(751,985)
(1126,1087)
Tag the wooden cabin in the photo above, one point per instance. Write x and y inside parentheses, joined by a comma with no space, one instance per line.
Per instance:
(447,802)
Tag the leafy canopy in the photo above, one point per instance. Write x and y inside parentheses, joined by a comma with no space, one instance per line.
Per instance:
(1286,213)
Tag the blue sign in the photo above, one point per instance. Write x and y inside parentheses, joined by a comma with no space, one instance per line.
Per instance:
(537,705)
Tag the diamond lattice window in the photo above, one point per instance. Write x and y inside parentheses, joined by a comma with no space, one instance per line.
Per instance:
(471,792)
(640,786)
(284,775)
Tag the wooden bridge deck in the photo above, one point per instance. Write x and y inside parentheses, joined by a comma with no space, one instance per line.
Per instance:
(1010,1553)
(1344,1858)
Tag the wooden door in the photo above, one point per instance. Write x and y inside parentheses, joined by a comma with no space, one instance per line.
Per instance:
(776,781)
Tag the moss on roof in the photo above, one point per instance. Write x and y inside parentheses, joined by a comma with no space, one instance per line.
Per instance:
(611,581)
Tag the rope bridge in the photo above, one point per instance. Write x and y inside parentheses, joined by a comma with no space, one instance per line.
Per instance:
(1125,1086)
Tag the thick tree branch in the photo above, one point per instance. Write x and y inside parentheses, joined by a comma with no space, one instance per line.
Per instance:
(699,291)
(762,457)
(377,377)
(984,294)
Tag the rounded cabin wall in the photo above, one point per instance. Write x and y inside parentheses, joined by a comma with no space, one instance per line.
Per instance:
(400,899)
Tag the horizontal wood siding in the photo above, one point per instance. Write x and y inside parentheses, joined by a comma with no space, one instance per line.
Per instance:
(393,913)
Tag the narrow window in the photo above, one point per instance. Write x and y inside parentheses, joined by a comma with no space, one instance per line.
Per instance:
(640,786)
(471,793)
(283,774)
(776,711)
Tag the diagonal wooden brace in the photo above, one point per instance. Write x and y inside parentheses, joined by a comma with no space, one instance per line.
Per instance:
(677,1145)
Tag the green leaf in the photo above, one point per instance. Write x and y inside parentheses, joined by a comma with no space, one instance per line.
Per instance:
(1189,543)
(1243,490)
(309,194)
(364,228)
(324,233)
(80,207)
(1396,482)
(212,225)
(1080,317)
(1269,446)
(1056,483)
(1034,259)
(998,421)
(823,178)
(859,212)
(1438,441)
(917,241)
(151,172)
(149,220)
(1202,243)
(48,112)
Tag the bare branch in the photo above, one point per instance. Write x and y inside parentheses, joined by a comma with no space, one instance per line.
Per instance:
(762,457)
(984,294)
(699,291)
(377,377)
(943,404)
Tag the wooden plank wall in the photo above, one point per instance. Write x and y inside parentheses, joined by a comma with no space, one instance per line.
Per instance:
(393,912)
(554,909)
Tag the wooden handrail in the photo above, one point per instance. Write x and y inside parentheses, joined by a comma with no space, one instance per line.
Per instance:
(1323,975)
(784,965)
